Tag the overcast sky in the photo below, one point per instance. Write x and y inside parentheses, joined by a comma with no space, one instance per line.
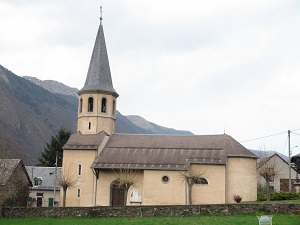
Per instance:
(203,66)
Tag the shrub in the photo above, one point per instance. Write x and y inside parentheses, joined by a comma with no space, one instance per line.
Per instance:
(237,198)
(279,196)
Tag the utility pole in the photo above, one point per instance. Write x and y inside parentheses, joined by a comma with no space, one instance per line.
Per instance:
(55,177)
(290,175)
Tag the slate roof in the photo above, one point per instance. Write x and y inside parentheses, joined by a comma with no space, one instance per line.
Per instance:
(7,168)
(47,174)
(81,141)
(99,76)
(167,152)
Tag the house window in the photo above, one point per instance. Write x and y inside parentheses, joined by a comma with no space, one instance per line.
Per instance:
(103,105)
(79,169)
(80,106)
(39,194)
(78,193)
(90,125)
(37,181)
(114,107)
(200,180)
(90,104)
(165,179)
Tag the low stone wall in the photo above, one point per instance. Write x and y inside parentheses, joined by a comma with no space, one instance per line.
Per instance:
(138,211)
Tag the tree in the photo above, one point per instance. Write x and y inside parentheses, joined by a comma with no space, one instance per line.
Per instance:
(67,180)
(268,167)
(48,157)
(191,177)
(125,178)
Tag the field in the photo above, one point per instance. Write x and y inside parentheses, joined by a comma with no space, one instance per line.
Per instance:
(282,219)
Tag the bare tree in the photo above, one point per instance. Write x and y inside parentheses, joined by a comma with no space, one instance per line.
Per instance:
(191,177)
(126,178)
(268,167)
(67,180)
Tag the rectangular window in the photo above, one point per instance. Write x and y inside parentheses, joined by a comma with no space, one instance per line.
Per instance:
(79,169)
(90,124)
(114,107)
(39,194)
(78,193)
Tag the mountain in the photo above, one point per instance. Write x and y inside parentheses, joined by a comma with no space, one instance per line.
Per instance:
(33,110)
(156,129)
(125,124)
(30,114)
(54,86)
(262,154)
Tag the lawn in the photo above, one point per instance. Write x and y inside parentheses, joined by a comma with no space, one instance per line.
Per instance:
(281,219)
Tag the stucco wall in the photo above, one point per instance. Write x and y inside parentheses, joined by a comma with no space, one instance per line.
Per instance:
(86,181)
(241,179)
(99,120)
(45,199)
(214,191)
(157,192)
(104,184)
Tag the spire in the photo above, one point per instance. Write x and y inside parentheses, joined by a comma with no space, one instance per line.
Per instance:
(98,76)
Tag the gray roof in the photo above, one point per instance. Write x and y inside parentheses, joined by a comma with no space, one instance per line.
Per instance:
(98,76)
(47,175)
(168,152)
(7,168)
(81,141)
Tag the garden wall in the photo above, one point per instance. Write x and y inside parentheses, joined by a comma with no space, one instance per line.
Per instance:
(138,211)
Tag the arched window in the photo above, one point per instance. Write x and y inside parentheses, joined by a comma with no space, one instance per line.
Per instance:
(200,180)
(80,106)
(90,105)
(103,105)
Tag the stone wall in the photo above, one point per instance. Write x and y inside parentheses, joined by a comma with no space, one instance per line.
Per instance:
(138,211)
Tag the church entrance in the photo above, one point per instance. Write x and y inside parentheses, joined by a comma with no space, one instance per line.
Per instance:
(117,194)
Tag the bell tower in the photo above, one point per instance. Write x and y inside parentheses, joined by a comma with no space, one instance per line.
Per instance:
(97,99)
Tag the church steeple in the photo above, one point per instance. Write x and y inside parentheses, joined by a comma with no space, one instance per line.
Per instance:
(97,99)
(99,76)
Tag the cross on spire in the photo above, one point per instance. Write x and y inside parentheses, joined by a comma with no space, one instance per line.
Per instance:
(101,18)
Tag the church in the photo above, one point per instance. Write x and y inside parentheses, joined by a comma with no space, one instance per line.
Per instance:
(154,165)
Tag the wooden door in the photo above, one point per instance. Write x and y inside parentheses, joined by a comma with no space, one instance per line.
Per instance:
(118,196)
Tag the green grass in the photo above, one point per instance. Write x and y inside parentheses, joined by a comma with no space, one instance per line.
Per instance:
(280,219)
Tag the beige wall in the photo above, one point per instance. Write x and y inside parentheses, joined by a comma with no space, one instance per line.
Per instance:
(45,199)
(214,191)
(158,193)
(99,120)
(104,183)
(86,181)
(155,192)
(241,179)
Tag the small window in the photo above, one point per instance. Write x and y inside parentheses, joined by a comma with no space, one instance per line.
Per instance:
(200,180)
(39,194)
(165,179)
(114,107)
(90,125)
(37,181)
(78,193)
(80,106)
(90,104)
(79,169)
(103,105)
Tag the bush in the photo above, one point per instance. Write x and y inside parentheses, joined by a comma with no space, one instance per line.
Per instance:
(278,196)
(237,198)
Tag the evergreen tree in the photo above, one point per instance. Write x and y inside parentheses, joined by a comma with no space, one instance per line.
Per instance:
(48,157)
